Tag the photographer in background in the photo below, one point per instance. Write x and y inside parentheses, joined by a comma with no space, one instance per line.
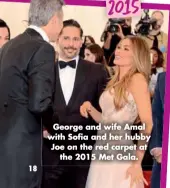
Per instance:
(114,31)
(150,29)
(157,67)
(4,33)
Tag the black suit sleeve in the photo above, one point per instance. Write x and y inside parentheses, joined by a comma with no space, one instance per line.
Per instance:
(102,82)
(157,114)
(0,61)
(41,79)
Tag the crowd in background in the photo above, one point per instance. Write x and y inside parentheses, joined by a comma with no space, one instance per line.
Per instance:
(155,38)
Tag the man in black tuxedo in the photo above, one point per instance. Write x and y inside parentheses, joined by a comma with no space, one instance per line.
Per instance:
(26,89)
(157,131)
(77,81)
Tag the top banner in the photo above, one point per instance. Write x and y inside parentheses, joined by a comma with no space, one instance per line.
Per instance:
(94,2)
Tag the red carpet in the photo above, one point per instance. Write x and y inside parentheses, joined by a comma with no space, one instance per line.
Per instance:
(147,176)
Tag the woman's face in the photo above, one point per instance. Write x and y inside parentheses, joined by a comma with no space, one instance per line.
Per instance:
(154,57)
(89,56)
(124,53)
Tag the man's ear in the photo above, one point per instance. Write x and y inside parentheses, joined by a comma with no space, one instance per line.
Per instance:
(53,20)
(57,40)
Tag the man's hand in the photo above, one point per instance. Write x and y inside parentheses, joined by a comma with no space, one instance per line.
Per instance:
(45,134)
(157,154)
(158,158)
(120,32)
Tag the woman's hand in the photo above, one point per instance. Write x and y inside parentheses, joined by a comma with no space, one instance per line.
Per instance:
(45,134)
(136,175)
(85,108)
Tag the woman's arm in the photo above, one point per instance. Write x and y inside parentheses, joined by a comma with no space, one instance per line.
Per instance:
(140,91)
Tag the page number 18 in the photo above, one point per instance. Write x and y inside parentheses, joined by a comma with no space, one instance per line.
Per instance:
(33,168)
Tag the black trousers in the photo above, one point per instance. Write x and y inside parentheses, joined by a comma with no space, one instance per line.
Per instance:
(62,174)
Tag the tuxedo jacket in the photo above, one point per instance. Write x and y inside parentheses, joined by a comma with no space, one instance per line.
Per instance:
(158,112)
(90,82)
(157,131)
(26,89)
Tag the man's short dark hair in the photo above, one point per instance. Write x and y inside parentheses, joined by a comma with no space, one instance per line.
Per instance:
(72,23)
(4,24)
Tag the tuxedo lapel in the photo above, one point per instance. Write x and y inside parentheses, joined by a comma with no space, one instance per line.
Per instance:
(59,97)
(81,74)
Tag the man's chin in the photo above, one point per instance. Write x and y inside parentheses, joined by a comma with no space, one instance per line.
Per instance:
(70,56)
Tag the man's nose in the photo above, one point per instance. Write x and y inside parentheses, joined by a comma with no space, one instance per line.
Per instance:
(71,42)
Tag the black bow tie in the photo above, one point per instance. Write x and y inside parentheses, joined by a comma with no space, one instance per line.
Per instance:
(64,64)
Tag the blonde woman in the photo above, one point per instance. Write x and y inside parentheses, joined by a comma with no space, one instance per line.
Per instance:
(125,100)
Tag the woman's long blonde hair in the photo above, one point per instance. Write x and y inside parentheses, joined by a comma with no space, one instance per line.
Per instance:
(141,64)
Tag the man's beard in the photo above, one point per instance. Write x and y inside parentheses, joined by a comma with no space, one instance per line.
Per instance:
(126,30)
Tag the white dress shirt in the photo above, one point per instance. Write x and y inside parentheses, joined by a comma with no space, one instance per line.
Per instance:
(154,78)
(67,77)
(40,31)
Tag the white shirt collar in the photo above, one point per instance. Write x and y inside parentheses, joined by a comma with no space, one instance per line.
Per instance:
(40,31)
(75,58)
